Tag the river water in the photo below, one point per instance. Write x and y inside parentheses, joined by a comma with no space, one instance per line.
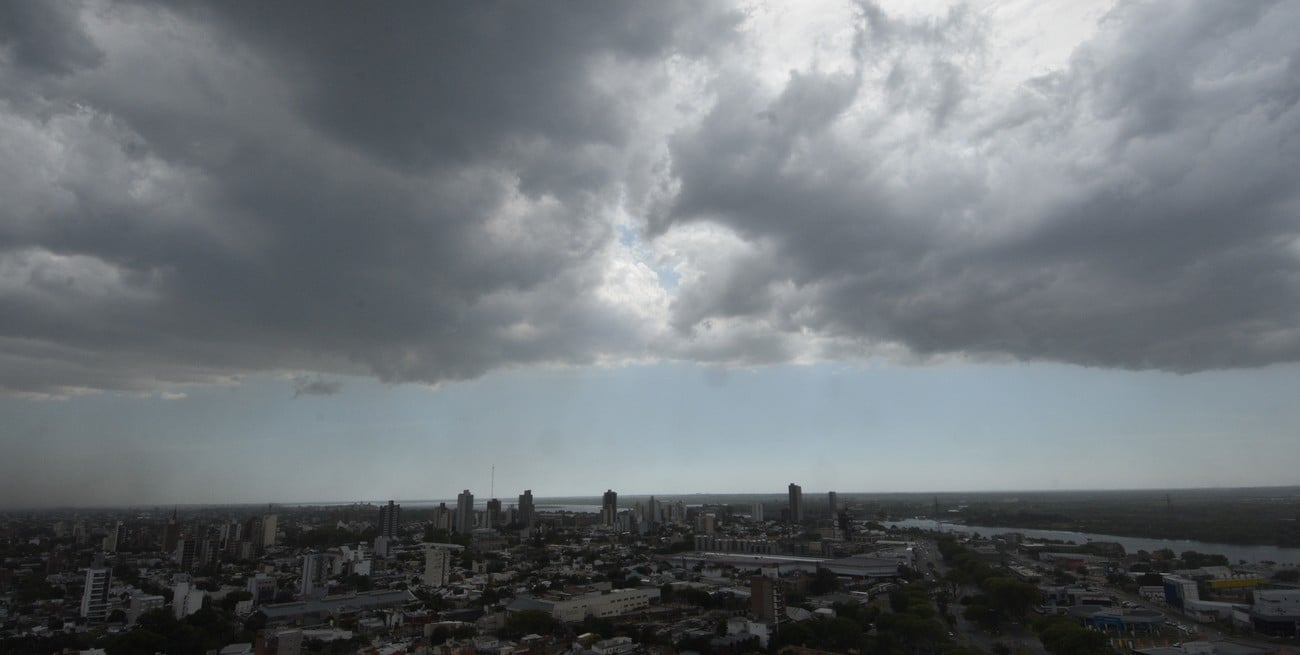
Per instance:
(1131,545)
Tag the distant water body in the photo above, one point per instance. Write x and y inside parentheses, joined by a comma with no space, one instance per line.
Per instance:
(481,503)
(1234,553)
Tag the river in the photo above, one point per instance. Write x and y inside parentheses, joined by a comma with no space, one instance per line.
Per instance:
(1234,553)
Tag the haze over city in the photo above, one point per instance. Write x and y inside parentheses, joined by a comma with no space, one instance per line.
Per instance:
(250,254)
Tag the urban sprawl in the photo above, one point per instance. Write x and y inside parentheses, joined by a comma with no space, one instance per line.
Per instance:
(789,574)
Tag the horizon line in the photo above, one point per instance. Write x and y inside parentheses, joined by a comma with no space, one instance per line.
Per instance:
(538,499)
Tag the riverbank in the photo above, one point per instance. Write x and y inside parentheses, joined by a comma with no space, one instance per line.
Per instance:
(1236,553)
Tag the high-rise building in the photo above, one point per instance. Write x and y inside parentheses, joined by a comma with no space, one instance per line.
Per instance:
(186,599)
(677,512)
(209,549)
(94,598)
(187,552)
(253,532)
(465,512)
(270,531)
(171,534)
(315,574)
(442,517)
(230,537)
(437,567)
(493,513)
(756,512)
(390,517)
(651,513)
(766,599)
(526,510)
(609,507)
(114,538)
(833,501)
(796,503)
(706,523)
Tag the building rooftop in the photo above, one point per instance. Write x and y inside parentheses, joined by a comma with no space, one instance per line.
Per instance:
(335,604)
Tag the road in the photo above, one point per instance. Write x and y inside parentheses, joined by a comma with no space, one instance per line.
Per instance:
(1019,638)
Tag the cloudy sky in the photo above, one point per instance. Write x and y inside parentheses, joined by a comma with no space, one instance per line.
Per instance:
(259,252)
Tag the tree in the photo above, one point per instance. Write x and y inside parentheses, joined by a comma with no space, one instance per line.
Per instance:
(1194,560)
(125,573)
(941,600)
(255,621)
(1062,636)
(987,617)
(526,622)
(356,582)
(233,598)
(823,582)
(1013,596)
(897,600)
(137,642)
(666,593)
(841,634)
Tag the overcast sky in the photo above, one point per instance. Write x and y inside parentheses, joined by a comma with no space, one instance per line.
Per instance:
(259,252)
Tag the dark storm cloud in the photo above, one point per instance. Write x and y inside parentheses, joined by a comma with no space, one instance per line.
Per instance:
(45,37)
(1139,209)
(429,192)
(420,194)
(428,83)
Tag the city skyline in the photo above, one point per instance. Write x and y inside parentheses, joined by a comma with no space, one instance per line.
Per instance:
(657,248)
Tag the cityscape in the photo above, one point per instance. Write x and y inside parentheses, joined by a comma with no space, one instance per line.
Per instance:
(792,572)
(650,327)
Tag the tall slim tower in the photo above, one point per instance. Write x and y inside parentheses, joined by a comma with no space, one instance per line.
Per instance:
(254,531)
(766,599)
(442,517)
(114,538)
(437,567)
(390,517)
(94,599)
(833,501)
(270,531)
(171,533)
(526,511)
(609,507)
(465,512)
(796,503)
(315,574)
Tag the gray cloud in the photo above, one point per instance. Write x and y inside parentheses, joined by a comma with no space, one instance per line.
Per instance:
(45,37)
(416,195)
(197,193)
(1137,209)
(315,386)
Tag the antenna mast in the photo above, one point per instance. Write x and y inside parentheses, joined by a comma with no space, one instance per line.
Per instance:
(492,489)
